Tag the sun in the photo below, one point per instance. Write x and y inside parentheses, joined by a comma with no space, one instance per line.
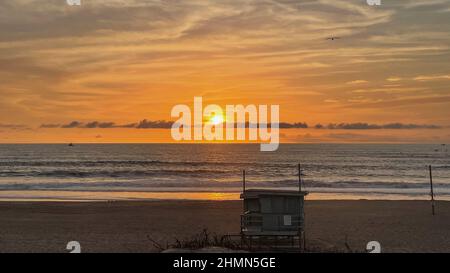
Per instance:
(216,119)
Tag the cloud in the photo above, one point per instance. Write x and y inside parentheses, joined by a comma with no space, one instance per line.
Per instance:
(144,124)
(96,124)
(159,124)
(284,125)
(396,103)
(91,125)
(367,126)
(357,82)
(410,126)
(432,78)
(14,126)
(149,124)
(426,3)
(130,125)
(162,124)
(73,124)
(393,79)
(50,126)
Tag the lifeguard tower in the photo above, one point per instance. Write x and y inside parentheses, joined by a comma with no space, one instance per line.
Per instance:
(273,215)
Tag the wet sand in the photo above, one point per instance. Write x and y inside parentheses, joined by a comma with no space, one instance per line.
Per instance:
(400,226)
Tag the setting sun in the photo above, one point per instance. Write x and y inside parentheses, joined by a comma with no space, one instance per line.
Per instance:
(216,119)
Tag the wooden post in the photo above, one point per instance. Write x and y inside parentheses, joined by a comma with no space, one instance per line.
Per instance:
(431,191)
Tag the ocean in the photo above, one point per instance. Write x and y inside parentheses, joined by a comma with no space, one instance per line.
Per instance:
(214,171)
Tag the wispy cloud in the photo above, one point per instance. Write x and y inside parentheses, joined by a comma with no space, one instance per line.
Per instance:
(432,78)
(357,82)
(394,79)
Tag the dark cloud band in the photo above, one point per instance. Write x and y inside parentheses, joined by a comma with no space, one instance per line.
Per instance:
(367,126)
(162,124)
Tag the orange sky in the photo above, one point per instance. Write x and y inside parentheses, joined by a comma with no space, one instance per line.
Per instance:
(122,61)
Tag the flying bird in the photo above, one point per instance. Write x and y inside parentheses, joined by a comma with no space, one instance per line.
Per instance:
(333,38)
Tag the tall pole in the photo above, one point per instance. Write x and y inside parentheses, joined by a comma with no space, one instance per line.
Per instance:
(431,192)
(302,233)
(243,206)
(243,180)
(299,178)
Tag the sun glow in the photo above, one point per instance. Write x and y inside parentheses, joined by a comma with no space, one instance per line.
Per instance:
(217,119)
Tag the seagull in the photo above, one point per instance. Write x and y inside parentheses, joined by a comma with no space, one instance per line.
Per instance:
(333,38)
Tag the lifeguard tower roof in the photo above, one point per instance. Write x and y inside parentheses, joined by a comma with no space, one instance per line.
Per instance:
(257,193)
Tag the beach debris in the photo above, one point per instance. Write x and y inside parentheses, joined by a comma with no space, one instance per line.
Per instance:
(156,244)
(212,249)
(347,245)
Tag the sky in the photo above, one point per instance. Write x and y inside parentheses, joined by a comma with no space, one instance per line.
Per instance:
(108,70)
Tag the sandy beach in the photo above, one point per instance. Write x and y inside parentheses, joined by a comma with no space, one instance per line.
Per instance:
(400,226)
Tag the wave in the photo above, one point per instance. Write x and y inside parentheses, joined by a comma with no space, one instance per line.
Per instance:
(110,173)
(321,164)
(149,185)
